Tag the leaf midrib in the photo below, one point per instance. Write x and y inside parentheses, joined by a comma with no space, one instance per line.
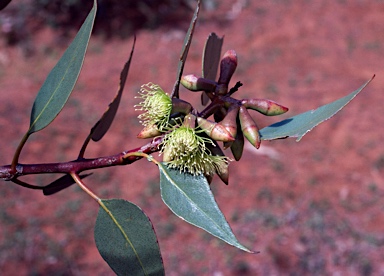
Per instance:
(214,222)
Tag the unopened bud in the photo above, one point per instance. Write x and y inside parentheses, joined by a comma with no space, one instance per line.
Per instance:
(229,121)
(214,130)
(249,127)
(167,154)
(194,83)
(149,131)
(190,121)
(238,145)
(266,107)
(228,66)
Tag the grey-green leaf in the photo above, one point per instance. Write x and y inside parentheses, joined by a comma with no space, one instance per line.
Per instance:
(59,84)
(126,239)
(184,51)
(190,198)
(301,124)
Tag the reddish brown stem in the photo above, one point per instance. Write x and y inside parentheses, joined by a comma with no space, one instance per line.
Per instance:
(78,165)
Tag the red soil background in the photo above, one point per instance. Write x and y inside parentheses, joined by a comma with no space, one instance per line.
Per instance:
(310,208)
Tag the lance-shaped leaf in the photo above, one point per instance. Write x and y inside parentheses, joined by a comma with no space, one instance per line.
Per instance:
(126,239)
(211,59)
(59,84)
(184,51)
(301,124)
(102,126)
(191,199)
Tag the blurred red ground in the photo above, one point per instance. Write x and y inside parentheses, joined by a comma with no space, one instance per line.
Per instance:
(310,208)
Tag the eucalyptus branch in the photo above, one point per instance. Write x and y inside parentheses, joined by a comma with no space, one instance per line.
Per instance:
(78,165)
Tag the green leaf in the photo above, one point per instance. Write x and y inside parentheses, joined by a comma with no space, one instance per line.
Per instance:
(126,239)
(59,84)
(191,199)
(184,51)
(301,124)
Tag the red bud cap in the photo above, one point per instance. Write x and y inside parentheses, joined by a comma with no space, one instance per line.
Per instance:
(266,107)
(228,66)
(194,83)
(249,127)
(149,131)
(214,130)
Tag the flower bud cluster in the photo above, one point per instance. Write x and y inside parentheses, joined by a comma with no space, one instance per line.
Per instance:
(189,141)
(233,114)
(188,146)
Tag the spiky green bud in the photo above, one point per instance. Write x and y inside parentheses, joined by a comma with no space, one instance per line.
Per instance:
(184,149)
